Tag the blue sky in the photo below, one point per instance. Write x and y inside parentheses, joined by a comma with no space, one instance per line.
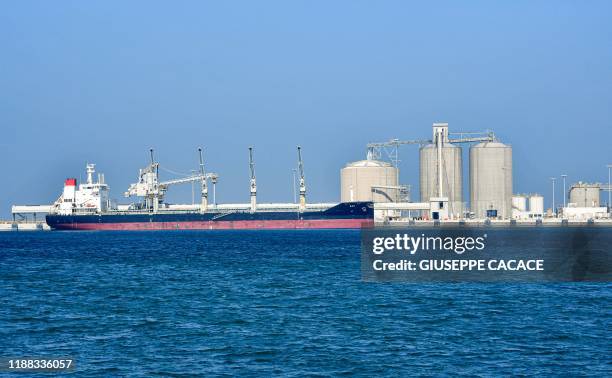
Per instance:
(104,81)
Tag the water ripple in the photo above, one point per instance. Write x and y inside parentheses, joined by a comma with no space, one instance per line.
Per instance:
(281,304)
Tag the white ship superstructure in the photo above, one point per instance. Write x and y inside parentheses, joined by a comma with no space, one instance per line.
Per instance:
(90,197)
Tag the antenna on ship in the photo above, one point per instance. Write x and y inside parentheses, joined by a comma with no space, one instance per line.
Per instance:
(253,181)
(204,203)
(302,181)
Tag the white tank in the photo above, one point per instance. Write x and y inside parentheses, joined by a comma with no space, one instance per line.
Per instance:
(452,175)
(519,202)
(584,195)
(369,180)
(536,204)
(491,180)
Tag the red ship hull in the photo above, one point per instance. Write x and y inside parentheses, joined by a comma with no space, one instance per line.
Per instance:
(224,225)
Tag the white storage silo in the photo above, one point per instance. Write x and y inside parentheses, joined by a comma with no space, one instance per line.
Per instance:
(519,202)
(584,195)
(536,205)
(491,180)
(452,172)
(369,180)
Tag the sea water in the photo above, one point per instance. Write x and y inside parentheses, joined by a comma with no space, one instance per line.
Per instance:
(280,303)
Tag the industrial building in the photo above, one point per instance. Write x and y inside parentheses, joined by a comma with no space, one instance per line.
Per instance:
(441,178)
(527,206)
(584,202)
(584,195)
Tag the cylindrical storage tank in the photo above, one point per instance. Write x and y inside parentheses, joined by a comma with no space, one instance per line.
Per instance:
(584,195)
(452,176)
(491,180)
(519,202)
(536,204)
(369,180)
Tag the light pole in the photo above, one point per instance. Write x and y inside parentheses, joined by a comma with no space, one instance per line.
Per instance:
(553,195)
(564,195)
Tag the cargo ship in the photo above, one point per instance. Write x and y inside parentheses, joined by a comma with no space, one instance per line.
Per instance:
(88,207)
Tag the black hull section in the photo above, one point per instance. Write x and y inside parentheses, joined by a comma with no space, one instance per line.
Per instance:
(343,215)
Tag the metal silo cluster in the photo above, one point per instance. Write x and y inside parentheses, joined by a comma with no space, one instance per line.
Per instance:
(490,175)
(441,174)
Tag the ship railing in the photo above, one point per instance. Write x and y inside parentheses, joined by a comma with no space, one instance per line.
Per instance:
(85,211)
(230,209)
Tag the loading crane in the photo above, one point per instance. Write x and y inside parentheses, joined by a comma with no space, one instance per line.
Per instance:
(253,181)
(148,185)
(204,185)
(153,191)
(391,147)
(302,180)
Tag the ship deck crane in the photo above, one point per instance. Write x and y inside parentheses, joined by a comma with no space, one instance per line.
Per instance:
(204,202)
(302,180)
(149,186)
(152,178)
(253,182)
